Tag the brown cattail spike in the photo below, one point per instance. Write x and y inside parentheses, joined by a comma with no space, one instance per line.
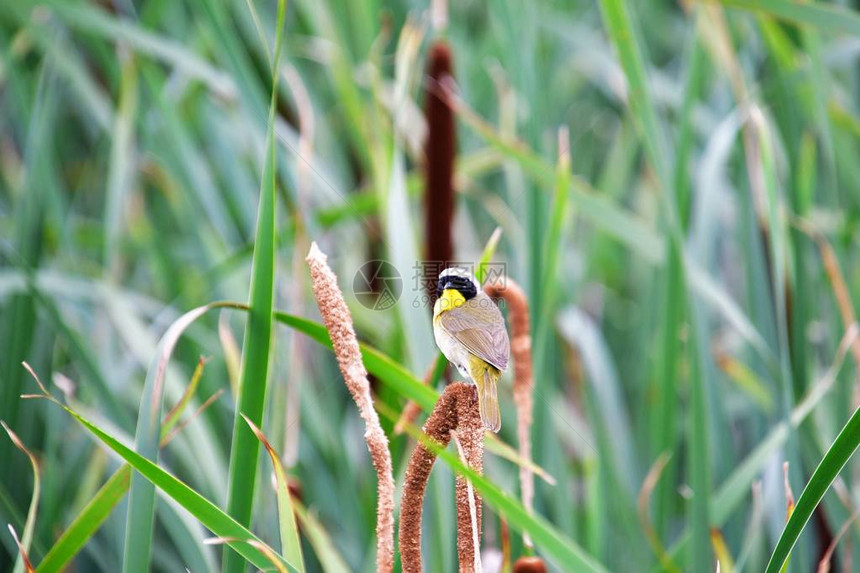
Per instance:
(521,348)
(338,322)
(456,409)
(529,565)
(440,152)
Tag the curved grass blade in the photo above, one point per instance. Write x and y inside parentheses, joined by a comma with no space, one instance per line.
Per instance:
(172,417)
(22,551)
(97,510)
(210,515)
(141,503)
(270,555)
(22,562)
(487,255)
(831,464)
(290,544)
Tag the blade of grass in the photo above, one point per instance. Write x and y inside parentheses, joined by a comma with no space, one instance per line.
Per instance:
(172,417)
(777,244)
(30,524)
(694,85)
(665,426)
(122,169)
(97,510)
(831,464)
(736,487)
(19,318)
(245,448)
(290,545)
(548,240)
(552,243)
(91,20)
(699,444)
(85,524)
(270,555)
(258,26)
(403,250)
(826,17)
(487,255)
(141,501)
(22,551)
(625,37)
(204,510)
(141,513)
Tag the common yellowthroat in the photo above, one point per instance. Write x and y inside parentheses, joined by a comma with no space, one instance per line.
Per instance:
(470,332)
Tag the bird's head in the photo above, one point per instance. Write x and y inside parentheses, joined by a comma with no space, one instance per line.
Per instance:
(458,279)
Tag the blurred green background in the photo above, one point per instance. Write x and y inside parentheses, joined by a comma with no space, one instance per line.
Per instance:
(691,276)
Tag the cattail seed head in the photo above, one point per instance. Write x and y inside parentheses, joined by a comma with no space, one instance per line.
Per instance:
(521,348)
(338,323)
(529,565)
(456,409)
(440,153)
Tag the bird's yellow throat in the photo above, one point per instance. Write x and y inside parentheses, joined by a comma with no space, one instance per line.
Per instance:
(451,298)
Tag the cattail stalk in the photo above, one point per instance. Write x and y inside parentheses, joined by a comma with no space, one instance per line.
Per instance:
(440,153)
(338,322)
(521,348)
(468,507)
(456,410)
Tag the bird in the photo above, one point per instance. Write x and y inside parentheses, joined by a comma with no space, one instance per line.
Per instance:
(470,331)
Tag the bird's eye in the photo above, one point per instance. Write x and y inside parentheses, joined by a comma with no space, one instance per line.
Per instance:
(440,286)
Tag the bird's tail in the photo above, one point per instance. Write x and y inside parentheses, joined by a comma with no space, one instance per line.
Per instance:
(486,379)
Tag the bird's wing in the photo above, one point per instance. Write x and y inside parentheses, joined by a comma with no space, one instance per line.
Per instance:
(478,325)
